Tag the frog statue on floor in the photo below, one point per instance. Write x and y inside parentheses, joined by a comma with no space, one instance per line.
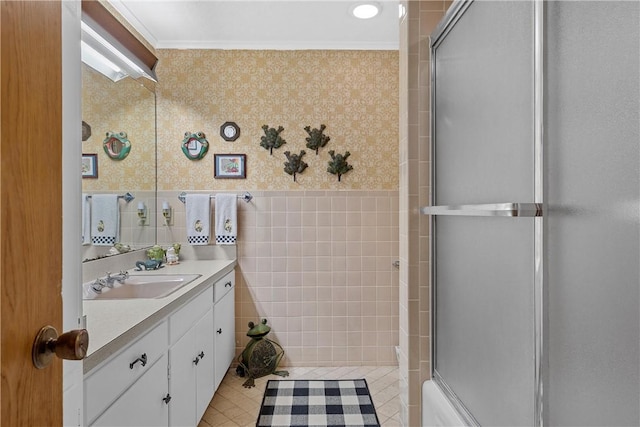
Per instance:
(261,356)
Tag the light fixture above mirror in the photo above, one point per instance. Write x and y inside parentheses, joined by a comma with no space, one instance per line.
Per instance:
(109,48)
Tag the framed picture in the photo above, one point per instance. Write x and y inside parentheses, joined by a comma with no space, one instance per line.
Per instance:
(230,166)
(89,165)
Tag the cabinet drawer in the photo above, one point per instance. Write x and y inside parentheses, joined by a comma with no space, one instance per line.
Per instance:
(187,316)
(108,382)
(224,285)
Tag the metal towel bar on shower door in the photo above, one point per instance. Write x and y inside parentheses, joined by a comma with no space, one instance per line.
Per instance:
(494,209)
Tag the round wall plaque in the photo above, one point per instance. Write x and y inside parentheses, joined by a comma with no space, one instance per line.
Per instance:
(229,131)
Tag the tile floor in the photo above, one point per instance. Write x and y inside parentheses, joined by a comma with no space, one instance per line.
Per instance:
(234,405)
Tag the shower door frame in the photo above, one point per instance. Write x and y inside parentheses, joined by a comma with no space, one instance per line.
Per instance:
(535,209)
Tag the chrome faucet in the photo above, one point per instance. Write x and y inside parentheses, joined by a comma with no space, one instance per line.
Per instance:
(108,281)
(120,278)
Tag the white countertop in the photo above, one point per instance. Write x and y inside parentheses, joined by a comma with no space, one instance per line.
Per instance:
(113,324)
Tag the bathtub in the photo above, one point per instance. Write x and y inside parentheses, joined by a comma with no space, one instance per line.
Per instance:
(436,409)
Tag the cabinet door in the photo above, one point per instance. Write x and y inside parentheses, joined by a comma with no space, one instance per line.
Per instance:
(103,385)
(142,404)
(224,325)
(182,381)
(204,373)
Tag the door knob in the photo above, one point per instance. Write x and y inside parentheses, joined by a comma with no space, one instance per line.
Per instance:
(71,345)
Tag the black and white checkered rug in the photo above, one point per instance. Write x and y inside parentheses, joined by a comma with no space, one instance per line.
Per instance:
(317,403)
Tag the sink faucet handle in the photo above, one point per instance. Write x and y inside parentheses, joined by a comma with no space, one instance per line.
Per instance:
(121,277)
(98,285)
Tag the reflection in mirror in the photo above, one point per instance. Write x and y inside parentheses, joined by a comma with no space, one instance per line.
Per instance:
(116,145)
(110,108)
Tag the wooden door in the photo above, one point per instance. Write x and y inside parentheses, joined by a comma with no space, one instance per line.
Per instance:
(30,208)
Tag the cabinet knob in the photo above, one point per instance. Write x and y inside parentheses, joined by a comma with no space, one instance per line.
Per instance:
(219,331)
(201,355)
(142,359)
(167,399)
(71,345)
(227,285)
(196,361)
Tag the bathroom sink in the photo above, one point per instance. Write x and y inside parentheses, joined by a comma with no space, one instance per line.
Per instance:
(144,286)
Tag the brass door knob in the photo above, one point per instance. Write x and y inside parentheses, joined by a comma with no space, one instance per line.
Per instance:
(71,345)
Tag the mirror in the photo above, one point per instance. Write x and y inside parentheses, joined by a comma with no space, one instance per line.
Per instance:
(121,117)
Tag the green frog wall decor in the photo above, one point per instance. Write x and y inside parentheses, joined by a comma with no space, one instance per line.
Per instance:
(316,138)
(338,164)
(272,138)
(294,164)
(116,145)
(195,145)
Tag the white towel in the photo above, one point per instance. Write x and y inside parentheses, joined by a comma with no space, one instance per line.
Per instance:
(86,219)
(226,219)
(105,219)
(198,207)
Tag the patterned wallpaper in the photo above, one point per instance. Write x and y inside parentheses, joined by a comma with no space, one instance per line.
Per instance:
(354,93)
(122,106)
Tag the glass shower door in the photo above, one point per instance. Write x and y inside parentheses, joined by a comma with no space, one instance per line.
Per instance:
(485,211)
(593,213)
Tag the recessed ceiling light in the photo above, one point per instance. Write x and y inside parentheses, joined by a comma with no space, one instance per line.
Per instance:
(365,10)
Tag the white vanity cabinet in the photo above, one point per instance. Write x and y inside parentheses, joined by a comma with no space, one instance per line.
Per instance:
(168,375)
(224,325)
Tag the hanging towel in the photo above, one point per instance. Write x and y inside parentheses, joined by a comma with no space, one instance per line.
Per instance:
(86,219)
(198,207)
(105,219)
(226,219)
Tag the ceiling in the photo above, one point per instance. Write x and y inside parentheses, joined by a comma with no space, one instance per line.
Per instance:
(261,24)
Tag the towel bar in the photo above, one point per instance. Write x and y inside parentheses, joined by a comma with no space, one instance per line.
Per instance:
(126,196)
(247,197)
